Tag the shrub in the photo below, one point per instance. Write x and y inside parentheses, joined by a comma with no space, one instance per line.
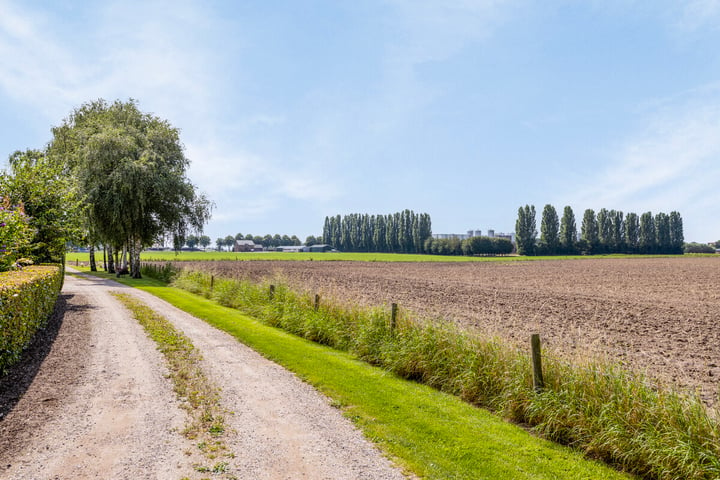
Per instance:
(15,233)
(698,248)
(27,299)
(164,273)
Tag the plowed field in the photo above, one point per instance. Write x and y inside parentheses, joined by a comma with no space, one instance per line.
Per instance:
(659,315)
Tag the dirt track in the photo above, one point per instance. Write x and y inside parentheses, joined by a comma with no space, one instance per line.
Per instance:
(659,315)
(91,400)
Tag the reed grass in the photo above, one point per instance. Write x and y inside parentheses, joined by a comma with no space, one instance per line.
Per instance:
(600,408)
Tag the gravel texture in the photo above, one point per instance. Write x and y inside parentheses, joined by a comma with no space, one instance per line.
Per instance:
(91,400)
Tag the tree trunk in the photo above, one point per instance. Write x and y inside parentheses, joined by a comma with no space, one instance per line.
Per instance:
(111,259)
(124,263)
(135,248)
(93,265)
(105,267)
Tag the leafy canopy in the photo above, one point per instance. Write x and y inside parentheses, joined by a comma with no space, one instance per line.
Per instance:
(50,200)
(131,168)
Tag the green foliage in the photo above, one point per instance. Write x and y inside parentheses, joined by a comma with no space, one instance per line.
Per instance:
(131,168)
(27,299)
(617,232)
(605,237)
(50,200)
(600,409)
(610,232)
(445,246)
(487,246)
(589,233)
(648,238)
(191,241)
(694,247)
(568,232)
(15,234)
(526,230)
(677,237)
(164,273)
(401,232)
(229,242)
(549,232)
(632,233)
(204,240)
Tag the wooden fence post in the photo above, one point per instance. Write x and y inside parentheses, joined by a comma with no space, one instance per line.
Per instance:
(393,316)
(538,382)
(212,282)
(317,302)
(272,292)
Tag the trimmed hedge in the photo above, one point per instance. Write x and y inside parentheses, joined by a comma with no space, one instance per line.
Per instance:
(27,299)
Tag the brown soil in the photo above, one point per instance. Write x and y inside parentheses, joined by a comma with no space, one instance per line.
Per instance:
(658,315)
(74,339)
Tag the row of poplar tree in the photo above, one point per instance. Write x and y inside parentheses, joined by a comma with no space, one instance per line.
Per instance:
(400,232)
(608,231)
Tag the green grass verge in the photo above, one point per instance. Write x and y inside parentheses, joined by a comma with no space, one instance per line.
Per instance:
(599,408)
(431,434)
(148,256)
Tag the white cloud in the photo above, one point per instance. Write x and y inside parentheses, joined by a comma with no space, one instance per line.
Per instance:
(433,30)
(673,165)
(36,69)
(697,14)
(164,57)
(424,31)
(246,185)
(116,50)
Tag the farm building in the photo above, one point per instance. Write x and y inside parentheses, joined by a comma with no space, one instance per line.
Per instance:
(292,248)
(246,246)
(321,248)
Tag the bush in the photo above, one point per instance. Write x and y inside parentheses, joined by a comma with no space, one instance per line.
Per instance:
(698,248)
(27,299)
(164,273)
(15,233)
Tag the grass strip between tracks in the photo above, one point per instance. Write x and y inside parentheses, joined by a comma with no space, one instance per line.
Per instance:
(429,433)
(199,397)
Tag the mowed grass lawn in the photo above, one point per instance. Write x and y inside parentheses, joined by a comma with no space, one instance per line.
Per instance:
(73,258)
(428,433)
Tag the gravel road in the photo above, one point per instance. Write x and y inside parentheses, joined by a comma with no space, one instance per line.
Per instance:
(92,401)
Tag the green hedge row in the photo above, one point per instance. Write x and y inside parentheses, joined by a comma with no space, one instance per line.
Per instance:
(27,299)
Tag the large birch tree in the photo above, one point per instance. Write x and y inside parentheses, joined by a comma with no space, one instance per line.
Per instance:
(131,168)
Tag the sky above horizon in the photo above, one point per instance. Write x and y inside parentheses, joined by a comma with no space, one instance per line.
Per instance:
(294,110)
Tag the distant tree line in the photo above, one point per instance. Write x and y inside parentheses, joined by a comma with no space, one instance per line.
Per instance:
(694,247)
(400,232)
(610,231)
(194,240)
(267,241)
(469,246)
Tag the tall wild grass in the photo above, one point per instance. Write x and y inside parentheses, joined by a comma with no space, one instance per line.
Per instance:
(602,409)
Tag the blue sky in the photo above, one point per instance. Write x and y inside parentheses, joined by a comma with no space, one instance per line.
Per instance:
(294,110)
